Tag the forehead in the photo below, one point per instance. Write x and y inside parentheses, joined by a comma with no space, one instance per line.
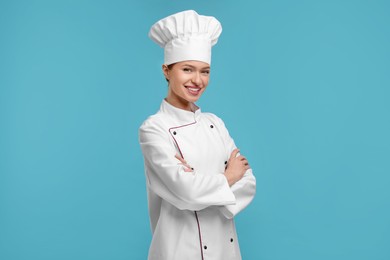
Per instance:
(193,63)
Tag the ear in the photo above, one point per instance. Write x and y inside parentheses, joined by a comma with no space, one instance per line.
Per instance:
(165,71)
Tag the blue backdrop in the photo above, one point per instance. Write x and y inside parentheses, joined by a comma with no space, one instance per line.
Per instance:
(303,87)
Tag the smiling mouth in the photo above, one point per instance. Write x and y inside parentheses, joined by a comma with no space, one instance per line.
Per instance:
(193,90)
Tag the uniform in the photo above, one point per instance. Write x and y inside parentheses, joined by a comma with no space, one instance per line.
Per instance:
(191,213)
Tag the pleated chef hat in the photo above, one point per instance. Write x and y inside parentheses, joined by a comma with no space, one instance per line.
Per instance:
(186,36)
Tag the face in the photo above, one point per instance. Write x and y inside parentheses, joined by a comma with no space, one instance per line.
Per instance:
(187,82)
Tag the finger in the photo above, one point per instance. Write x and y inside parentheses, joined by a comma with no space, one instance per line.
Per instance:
(180,159)
(187,167)
(241,158)
(234,153)
(188,170)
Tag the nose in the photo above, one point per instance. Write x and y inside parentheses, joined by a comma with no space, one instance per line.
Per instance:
(196,78)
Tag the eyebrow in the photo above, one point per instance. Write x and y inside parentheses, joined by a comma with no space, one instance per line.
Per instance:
(188,65)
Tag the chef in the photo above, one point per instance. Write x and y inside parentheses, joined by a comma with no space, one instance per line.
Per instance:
(197,180)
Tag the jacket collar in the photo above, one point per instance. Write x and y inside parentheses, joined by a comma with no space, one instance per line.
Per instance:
(181,115)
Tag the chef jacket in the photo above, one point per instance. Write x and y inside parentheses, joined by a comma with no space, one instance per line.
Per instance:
(191,213)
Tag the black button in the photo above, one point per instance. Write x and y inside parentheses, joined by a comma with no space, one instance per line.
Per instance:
(231,240)
(205,247)
(192,168)
(174,132)
(211,126)
(225,162)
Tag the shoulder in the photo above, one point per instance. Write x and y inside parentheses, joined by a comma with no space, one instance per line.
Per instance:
(153,129)
(153,122)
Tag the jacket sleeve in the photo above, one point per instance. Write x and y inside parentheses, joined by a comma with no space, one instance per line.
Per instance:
(166,176)
(245,189)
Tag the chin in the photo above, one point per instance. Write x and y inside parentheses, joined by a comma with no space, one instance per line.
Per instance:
(193,99)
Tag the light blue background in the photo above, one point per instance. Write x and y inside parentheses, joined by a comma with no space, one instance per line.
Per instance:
(303,87)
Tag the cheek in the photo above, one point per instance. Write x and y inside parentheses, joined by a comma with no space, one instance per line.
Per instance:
(180,79)
(206,81)
(176,81)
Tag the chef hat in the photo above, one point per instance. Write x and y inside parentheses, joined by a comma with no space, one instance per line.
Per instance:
(186,36)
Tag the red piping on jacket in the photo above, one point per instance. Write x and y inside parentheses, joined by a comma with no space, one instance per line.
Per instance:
(200,234)
(177,145)
(181,154)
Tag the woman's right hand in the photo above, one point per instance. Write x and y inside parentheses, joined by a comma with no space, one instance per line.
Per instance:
(236,167)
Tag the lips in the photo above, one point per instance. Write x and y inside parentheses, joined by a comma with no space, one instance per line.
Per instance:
(193,90)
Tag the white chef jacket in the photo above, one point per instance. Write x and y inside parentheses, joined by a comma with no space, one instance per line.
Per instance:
(191,213)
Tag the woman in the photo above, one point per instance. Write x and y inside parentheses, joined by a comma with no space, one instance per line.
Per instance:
(196,179)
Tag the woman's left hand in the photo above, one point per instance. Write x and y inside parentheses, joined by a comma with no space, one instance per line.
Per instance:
(187,168)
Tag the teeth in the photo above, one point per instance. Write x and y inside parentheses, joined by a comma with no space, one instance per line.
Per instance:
(193,89)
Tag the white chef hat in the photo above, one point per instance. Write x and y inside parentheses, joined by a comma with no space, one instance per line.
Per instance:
(186,36)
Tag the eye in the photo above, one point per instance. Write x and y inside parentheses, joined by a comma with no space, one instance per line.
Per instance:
(187,69)
(206,72)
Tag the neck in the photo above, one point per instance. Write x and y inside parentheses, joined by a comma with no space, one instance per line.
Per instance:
(181,103)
